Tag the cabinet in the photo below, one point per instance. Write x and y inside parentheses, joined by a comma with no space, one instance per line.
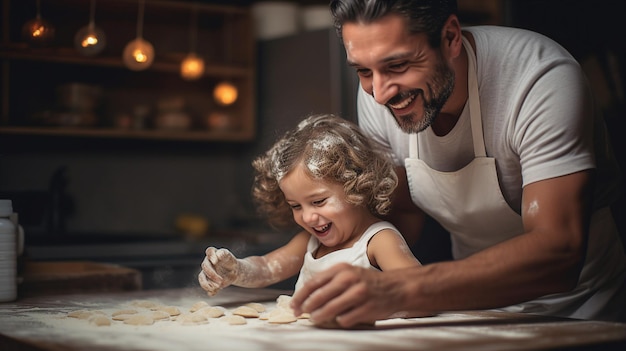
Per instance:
(37,81)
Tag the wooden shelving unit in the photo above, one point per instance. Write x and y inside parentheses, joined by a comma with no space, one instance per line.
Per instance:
(30,76)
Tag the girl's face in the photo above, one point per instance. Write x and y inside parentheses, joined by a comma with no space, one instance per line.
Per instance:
(322,210)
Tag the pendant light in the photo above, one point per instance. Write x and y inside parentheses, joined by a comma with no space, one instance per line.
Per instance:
(90,40)
(38,31)
(192,67)
(138,54)
(225,93)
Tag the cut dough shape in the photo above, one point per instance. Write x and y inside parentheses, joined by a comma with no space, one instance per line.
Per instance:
(171,310)
(257,306)
(198,305)
(119,312)
(99,320)
(234,319)
(145,304)
(282,318)
(123,317)
(245,311)
(192,319)
(159,315)
(283,301)
(210,312)
(139,319)
(80,314)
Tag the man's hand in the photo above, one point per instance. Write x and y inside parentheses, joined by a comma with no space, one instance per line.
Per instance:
(219,269)
(349,295)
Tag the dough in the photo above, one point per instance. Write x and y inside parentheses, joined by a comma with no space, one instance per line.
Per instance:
(245,311)
(283,304)
(145,304)
(139,319)
(159,315)
(120,312)
(210,312)
(234,319)
(99,320)
(171,310)
(257,306)
(192,319)
(80,314)
(283,301)
(123,317)
(283,317)
(198,305)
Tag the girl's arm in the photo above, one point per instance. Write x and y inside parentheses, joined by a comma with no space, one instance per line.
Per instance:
(220,268)
(388,250)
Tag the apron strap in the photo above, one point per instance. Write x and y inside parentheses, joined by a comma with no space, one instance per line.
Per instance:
(474,107)
(474,102)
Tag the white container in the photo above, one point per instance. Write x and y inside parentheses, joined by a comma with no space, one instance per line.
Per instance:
(274,19)
(8,253)
(316,17)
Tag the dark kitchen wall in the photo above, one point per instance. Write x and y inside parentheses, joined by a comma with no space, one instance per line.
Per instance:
(141,186)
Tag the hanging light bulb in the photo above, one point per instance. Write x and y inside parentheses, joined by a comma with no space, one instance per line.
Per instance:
(38,31)
(192,67)
(225,93)
(90,40)
(138,54)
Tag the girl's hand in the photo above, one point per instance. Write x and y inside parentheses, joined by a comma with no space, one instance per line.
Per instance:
(220,269)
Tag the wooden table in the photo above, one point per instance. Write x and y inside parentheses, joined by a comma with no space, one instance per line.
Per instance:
(41,323)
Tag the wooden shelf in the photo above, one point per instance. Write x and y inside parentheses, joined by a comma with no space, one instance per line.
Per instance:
(149,134)
(30,76)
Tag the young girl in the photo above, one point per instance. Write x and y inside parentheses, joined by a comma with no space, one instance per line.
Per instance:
(332,181)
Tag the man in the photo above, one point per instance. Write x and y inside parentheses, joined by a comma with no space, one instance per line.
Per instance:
(494,132)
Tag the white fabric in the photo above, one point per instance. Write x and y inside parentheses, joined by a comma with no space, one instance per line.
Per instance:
(355,255)
(535,110)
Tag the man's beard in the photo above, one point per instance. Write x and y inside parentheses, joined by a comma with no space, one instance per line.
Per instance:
(439,91)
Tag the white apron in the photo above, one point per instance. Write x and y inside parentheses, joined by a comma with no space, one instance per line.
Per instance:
(469,204)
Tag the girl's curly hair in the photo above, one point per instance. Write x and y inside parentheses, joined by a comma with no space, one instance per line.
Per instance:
(331,149)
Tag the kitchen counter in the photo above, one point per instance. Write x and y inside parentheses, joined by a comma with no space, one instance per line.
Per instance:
(41,323)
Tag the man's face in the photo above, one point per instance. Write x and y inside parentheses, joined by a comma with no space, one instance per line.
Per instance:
(401,71)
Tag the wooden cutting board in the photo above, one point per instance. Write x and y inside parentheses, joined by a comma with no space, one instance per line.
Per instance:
(66,277)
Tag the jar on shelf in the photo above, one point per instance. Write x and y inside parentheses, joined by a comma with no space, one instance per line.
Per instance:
(171,114)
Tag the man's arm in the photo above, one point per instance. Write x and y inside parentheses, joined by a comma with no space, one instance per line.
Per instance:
(546,259)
